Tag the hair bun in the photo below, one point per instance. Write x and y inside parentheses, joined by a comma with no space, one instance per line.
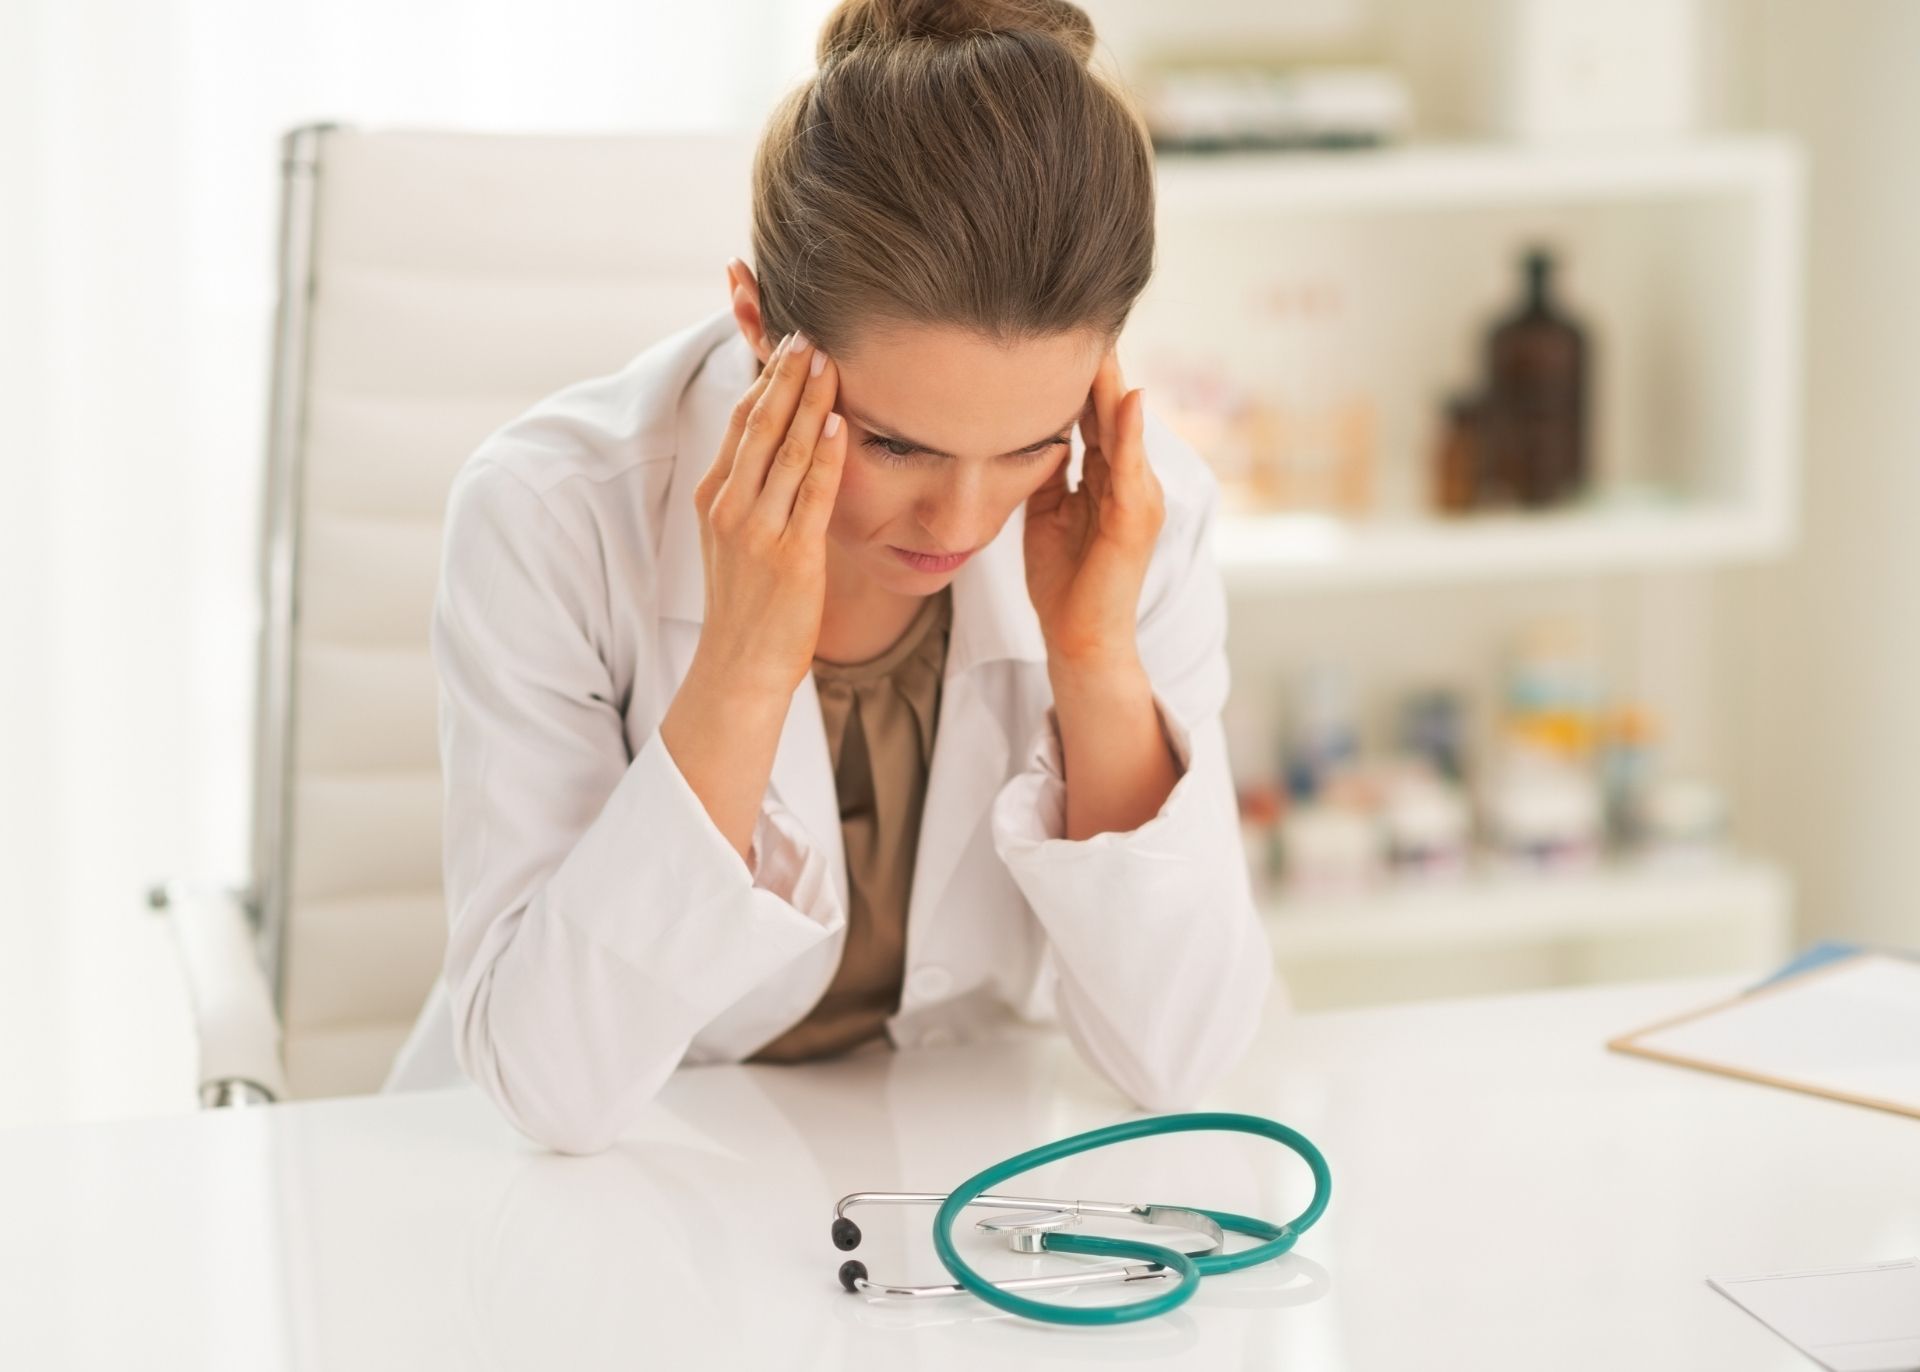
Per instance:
(873,23)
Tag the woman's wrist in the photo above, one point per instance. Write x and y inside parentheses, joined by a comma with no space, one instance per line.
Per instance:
(742,694)
(722,733)
(1111,674)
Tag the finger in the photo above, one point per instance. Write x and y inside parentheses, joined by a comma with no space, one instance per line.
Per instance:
(1136,499)
(766,426)
(1106,399)
(1090,417)
(813,501)
(1096,467)
(1096,476)
(1127,455)
(795,454)
(1048,494)
(1057,478)
(703,494)
(1089,426)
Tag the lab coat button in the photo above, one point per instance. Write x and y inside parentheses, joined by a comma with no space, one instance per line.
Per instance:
(929,982)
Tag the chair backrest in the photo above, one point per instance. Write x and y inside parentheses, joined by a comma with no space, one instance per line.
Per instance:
(434,285)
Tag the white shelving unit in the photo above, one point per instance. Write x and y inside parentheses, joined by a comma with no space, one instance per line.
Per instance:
(1722,220)
(1304,552)
(1453,175)
(1685,262)
(1494,932)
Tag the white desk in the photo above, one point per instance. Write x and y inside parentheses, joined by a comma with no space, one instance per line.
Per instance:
(1507,1194)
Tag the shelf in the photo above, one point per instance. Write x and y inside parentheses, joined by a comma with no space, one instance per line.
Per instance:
(1417,176)
(1299,551)
(1491,911)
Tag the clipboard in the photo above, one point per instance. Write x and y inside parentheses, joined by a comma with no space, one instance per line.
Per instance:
(1848,1031)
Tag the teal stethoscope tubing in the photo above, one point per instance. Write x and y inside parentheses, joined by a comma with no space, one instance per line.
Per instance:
(1278,1239)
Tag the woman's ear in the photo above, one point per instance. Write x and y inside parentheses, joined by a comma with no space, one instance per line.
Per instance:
(743,292)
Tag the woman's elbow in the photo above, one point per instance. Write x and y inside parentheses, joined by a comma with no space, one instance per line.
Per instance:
(562,1100)
(1187,1066)
(580,1121)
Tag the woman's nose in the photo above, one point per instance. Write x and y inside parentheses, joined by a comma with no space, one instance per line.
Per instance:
(955,518)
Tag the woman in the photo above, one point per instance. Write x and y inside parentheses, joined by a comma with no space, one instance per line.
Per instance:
(793,700)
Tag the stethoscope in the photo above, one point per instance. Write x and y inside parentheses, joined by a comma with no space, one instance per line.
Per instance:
(1038,1225)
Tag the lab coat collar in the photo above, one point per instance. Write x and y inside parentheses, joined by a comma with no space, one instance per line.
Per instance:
(993,618)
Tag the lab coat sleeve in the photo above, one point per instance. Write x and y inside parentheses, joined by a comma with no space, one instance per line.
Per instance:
(597,917)
(1163,964)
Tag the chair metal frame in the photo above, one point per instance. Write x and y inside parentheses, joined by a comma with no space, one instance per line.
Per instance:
(227,935)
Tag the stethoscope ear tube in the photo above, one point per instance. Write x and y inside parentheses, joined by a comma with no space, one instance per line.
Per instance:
(1277,1239)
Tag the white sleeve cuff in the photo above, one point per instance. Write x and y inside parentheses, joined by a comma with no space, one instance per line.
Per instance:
(696,917)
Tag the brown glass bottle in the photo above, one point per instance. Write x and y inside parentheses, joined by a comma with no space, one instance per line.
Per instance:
(1457,479)
(1536,417)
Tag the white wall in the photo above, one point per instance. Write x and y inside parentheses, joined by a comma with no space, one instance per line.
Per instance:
(1827,645)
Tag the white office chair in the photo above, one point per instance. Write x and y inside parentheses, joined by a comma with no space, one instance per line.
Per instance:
(433,285)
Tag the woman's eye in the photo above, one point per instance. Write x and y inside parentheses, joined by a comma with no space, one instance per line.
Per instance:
(889,449)
(892,450)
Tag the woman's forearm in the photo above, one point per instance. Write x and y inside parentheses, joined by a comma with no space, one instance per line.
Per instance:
(723,741)
(1120,768)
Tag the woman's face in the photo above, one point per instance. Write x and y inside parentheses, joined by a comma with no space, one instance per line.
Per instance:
(947,434)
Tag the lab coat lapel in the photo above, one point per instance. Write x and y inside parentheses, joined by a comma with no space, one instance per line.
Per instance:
(803,779)
(993,626)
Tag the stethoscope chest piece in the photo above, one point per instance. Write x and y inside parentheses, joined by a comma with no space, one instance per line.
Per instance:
(1027,1230)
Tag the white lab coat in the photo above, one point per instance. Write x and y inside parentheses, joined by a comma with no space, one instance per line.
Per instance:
(603,931)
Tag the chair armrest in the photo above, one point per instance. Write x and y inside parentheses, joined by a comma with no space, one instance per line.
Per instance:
(234,1017)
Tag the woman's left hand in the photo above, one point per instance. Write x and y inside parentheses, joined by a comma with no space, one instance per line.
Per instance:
(1087,550)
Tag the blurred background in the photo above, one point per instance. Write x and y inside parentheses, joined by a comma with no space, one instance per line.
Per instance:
(1552,357)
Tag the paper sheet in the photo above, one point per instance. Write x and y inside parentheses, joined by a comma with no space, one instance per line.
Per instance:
(1850,1319)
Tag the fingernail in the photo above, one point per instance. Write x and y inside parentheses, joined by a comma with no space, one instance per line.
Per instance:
(832,426)
(799,342)
(818,365)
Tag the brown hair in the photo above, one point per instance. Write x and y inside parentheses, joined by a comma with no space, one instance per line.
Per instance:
(953,162)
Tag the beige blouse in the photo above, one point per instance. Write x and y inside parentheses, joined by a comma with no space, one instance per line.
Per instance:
(880,717)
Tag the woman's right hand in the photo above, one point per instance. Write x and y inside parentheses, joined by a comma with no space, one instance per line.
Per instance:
(764,506)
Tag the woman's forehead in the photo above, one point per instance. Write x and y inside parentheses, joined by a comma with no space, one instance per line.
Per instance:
(955,392)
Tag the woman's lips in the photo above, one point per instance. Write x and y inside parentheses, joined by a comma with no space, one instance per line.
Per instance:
(929,562)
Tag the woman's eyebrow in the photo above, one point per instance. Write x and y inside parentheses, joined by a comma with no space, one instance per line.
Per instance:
(882,431)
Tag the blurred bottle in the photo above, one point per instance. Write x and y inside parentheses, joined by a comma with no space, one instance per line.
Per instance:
(1682,822)
(1544,805)
(1626,765)
(1324,739)
(1332,849)
(1426,821)
(1213,413)
(1543,814)
(1536,428)
(1318,434)
(1433,729)
(1261,809)
(1323,456)
(1553,692)
(1457,476)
